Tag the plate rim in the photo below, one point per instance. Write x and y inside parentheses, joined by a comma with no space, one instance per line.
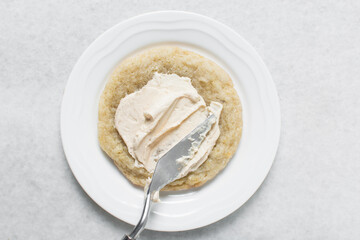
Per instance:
(207,19)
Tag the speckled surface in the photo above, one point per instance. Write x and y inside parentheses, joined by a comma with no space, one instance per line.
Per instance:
(312,49)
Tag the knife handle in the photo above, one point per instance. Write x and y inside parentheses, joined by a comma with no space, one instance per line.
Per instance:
(126,237)
(143,219)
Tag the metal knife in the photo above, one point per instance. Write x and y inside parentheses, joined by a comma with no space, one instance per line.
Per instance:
(168,169)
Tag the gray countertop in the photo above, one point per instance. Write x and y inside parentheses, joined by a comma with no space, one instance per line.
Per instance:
(312,49)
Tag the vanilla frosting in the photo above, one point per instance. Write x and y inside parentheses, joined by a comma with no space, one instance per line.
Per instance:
(155,118)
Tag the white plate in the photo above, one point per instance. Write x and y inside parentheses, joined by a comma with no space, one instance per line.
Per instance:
(182,210)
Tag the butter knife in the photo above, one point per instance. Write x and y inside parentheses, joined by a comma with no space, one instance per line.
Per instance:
(168,169)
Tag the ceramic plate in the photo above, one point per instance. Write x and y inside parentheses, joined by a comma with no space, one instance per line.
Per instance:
(181,210)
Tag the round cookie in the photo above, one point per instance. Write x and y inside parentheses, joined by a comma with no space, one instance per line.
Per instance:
(211,82)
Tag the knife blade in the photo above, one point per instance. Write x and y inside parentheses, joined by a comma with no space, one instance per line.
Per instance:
(168,168)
